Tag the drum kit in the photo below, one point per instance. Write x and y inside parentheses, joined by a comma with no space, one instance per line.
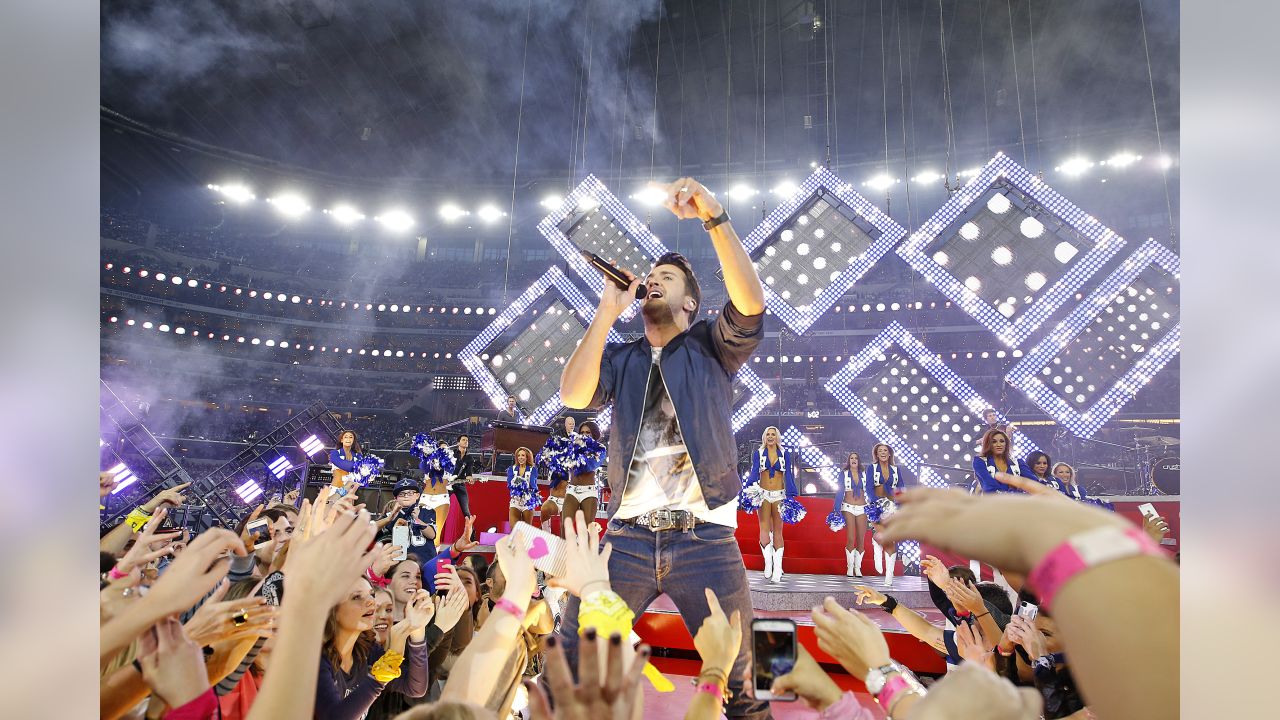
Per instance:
(1159,467)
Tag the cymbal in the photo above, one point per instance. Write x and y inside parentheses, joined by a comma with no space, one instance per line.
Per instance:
(1162,440)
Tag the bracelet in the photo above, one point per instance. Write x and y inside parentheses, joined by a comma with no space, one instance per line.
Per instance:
(604,611)
(896,688)
(137,518)
(975,617)
(890,604)
(1085,550)
(115,574)
(387,668)
(375,579)
(720,219)
(712,689)
(719,675)
(509,606)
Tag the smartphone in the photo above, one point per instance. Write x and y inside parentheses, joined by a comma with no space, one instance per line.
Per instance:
(1028,610)
(546,550)
(442,568)
(259,532)
(400,538)
(773,650)
(1148,510)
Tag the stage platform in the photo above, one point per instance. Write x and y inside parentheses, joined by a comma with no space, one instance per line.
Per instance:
(800,592)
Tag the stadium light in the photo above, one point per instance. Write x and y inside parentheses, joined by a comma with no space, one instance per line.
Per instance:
(1077,165)
(490,213)
(1122,159)
(290,205)
(928,176)
(649,195)
(785,189)
(345,214)
(450,212)
(880,182)
(395,220)
(236,193)
(741,192)
(552,201)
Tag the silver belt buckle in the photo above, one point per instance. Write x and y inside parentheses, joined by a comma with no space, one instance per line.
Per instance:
(661,520)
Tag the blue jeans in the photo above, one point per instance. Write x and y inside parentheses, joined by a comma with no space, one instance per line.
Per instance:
(645,564)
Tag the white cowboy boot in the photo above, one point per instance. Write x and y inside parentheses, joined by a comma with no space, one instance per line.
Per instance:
(879,556)
(767,551)
(849,559)
(777,564)
(858,555)
(891,561)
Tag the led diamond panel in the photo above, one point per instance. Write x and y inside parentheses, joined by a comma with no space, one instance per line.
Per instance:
(1112,344)
(811,457)
(750,396)
(1009,250)
(249,490)
(311,445)
(123,476)
(814,246)
(907,397)
(528,343)
(280,466)
(592,218)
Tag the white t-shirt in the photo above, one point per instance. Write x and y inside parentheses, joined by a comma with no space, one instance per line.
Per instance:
(661,475)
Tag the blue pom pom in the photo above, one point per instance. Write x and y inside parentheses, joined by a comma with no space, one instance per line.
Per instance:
(791,511)
(434,458)
(835,520)
(750,497)
(367,468)
(1100,503)
(572,456)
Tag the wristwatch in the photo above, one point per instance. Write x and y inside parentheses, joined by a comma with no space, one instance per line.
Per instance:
(878,676)
(721,219)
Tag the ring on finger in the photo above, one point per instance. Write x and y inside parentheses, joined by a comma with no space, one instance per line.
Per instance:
(240,618)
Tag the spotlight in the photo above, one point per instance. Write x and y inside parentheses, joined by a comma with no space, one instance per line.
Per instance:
(280,466)
(1122,159)
(249,490)
(1075,166)
(395,220)
(289,205)
(880,182)
(450,212)
(552,202)
(489,213)
(926,177)
(124,477)
(236,193)
(648,195)
(1031,227)
(345,215)
(786,189)
(741,192)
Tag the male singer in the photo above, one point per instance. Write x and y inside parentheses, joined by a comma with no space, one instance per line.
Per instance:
(672,458)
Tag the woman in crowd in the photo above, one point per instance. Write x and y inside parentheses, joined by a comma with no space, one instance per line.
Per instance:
(770,484)
(355,669)
(582,492)
(881,481)
(343,459)
(848,512)
(1066,477)
(463,475)
(995,455)
(522,486)
(558,485)
(405,582)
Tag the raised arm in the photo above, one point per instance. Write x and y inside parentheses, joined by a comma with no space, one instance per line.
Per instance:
(581,376)
(688,199)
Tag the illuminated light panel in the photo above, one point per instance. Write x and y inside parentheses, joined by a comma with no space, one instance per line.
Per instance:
(123,476)
(913,439)
(280,467)
(816,257)
(1097,320)
(249,490)
(986,200)
(311,445)
(813,457)
(592,218)
(491,374)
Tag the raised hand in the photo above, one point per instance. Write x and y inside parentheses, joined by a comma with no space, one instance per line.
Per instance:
(451,608)
(172,663)
(971,645)
(935,571)
(171,496)
(868,596)
(149,544)
(964,597)
(191,575)
(1018,530)
(616,696)
(323,564)
(719,638)
(586,567)
(217,619)
(688,199)
(614,300)
(419,611)
(106,483)
(971,691)
(513,557)
(387,557)
(1155,527)
(808,681)
(1025,633)
(465,541)
(849,637)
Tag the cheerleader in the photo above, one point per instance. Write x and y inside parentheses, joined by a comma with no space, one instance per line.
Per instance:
(1066,477)
(1036,467)
(343,459)
(994,457)
(881,481)
(463,474)
(848,512)
(770,489)
(522,485)
(436,494)
(558,485)
(581,488)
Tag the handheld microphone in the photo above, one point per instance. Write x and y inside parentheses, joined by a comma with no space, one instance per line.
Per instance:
(612,273)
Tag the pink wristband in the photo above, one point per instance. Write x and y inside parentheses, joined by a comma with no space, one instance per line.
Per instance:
(846,708)
(712,689)
(375,579)
(505,604)
(1085,550)
(891,690)
(115,574)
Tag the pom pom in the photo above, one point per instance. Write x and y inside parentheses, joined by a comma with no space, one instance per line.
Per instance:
(750,498)
(835,520)
(367,468)
(434,458)
(1100,503)
(791,511)
(572,456)
(880,509)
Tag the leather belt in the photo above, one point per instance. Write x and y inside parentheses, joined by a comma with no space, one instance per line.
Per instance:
(659,520)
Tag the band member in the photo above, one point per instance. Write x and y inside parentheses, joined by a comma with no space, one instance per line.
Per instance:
(522,485)
(771,482)
(558,485)
(510,413)
(881,481)
(848,512)
(463,475)
(582,486)
(343,459)
(672,459)
(1066,477)
(994,456)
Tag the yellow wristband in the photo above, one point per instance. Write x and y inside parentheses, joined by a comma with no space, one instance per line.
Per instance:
(606,613)
(137,518)
(387,668)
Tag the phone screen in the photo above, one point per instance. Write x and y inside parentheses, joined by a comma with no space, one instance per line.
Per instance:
(773,655)
(1147,510)
(259,532)
(400,538)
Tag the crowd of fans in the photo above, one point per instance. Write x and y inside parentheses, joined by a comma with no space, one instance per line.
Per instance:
(301,612)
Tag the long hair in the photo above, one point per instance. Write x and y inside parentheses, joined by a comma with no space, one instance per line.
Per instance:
(1035,457)
(1055,467)
(589,426)
(359,653)
(875,459)
(355,442)
(858,472)
(515,457)
(988,437)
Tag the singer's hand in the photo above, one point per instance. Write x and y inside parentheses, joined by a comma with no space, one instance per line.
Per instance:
(688,199)
(615,300)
